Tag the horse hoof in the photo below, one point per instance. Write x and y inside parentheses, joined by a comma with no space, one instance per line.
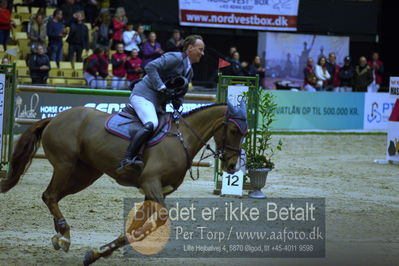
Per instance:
(64,243)
(54,241)
(89,258)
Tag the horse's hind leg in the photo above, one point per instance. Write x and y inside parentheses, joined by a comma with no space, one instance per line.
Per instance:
(67,179)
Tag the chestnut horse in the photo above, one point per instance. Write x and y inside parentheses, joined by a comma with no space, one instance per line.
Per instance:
(81,150)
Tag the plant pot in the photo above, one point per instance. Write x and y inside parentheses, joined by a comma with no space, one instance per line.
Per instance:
(257,179)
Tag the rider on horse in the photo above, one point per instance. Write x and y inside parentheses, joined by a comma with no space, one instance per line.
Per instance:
(166,80)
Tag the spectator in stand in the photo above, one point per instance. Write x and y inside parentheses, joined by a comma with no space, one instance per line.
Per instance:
(39,66)
(5,23)
(133,67)
(103,72)
(91,9)
(256,68)
(143,38)
(151,49)
(69,9)
(102,30)
(346,76)
(119,22)
(232,50)
(93,67)
(118,61)
(377,68)
(55,32)
(310,82)
(236,68)
(131,39)
(78,37)
(333,69)
(322,74)
(174,44)
(37,31)
(363,76)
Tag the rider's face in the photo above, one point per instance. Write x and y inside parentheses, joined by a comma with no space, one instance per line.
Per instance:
(196,51)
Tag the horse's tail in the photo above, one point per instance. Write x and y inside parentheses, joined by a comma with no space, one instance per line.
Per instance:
(23,154)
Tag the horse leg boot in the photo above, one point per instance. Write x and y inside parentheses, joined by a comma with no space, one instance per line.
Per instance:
(133,160)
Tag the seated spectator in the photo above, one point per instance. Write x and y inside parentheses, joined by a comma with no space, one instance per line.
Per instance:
(174,43)
(5,23)
(151,49)
(103,72)
(78,37)
(118,61)
(133,67)
(346,76)
(333,69)
(68,10)
(377,68)
(37,31)
(131,39)
(55,32)
(310,82)
(119,22)
(102,30)
(322,74)
(39,66)
(92,69)
(363,76)
(91,10)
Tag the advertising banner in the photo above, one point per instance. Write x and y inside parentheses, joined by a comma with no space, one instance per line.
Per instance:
(377,109)
(394,87)
(285,54)
(243,14)
(392,153)
(318,110)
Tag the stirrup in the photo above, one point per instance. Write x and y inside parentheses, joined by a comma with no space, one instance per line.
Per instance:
(128,165)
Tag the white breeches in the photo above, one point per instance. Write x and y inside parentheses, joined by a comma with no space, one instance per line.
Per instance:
(145,110)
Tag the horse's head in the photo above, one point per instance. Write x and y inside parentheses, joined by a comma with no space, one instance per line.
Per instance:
(230,135)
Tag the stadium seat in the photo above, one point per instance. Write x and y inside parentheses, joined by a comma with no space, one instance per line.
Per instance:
(23,13)
(23,71)
(57,81)
(76,82)
(21,63)
(53,65)
(49,11)
(54,72)
(34,10)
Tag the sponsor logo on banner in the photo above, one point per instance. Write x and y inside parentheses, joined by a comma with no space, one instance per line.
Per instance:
(258,14)
(377,109)
(392,153)
(394,87)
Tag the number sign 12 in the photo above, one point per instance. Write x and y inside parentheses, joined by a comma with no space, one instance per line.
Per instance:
(232,183)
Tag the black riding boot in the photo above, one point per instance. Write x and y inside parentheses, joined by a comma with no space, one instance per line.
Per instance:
(132,160)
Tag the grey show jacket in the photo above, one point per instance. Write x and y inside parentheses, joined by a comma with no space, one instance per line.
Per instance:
(158,72)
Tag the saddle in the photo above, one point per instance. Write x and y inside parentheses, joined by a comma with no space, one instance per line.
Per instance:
(126,120)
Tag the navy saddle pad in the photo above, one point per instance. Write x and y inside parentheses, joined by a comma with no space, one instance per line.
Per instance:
(119,125)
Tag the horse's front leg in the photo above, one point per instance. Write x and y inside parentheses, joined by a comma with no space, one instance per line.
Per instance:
(148,217)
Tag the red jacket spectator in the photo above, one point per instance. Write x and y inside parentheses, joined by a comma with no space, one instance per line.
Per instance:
(118,61)
(335,78)
(378,68)
(133,68)
(310,77)
(104,62)
(5,19)
(93,65)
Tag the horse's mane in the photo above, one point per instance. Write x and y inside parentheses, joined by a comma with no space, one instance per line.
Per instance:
(202,108)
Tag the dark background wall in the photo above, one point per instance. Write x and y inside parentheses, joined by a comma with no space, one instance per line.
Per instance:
(366,22)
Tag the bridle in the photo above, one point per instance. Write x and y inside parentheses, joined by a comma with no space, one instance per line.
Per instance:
(219,154)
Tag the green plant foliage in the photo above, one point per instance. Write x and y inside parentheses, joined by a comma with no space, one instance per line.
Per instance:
(258,145)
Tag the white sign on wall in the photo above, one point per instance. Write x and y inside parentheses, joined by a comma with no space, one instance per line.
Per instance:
(2,88)
(244,14)
(394,87)
(377,109)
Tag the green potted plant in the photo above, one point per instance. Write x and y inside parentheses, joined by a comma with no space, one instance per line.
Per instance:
(258,145)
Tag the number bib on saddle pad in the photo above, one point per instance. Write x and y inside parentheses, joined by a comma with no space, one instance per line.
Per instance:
(119,125)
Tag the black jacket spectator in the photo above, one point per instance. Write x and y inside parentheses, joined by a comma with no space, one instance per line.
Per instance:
(68,9)
(78,38)
(346,76)
(39,66)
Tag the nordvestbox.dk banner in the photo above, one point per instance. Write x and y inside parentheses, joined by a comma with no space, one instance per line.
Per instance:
(244,14)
